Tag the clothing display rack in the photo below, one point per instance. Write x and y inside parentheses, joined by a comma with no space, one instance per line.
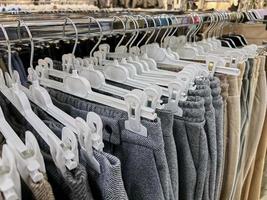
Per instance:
(138,104)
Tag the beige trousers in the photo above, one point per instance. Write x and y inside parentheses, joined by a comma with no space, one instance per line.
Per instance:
(256,182)
(239,179)
(257,142)
(232,137)
(224,93)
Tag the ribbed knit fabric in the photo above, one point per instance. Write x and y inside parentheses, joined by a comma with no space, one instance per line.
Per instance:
(218,104)
(192,148)
(145,170)
(166,118)
(187,170)
(107,185)
(77,181)
(203,90)
(41,190)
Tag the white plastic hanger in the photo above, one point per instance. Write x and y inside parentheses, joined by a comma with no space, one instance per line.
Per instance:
(29,159)
(96,78)
(10,185)
(63,156)
(41,97)
(141,73)
(76,85)
(122,72)
(220,68)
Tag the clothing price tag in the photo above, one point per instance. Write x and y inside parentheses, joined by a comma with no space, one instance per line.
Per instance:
(210,66)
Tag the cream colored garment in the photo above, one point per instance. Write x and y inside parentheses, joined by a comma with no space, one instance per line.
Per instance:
(233,138)
(239,179)
(257,178)
(224,93)
(247,183)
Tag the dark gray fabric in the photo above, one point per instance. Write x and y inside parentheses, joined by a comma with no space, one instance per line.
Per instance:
(166,118)
(192,148)
(186,167)
(58,181)
(217,102)
(144,166)
(203,90)
(108,185)
(77,181)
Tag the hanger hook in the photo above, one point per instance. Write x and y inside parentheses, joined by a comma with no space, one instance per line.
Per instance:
(8,48)
(177,25)
(147,29)
(192,26)
(76,33)
(135,29)
(101,34)
(197,28)
(153,31)
(167,29)
(31,41)
(138,31)
(124,29)
(159,28)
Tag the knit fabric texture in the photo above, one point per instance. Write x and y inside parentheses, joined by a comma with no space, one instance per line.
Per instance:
(108,184)
(166,118)
(192,148)
(218,104)
(145,170)
(78,183)
(41,190)
(203,90)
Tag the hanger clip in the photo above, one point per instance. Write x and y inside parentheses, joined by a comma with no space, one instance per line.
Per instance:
(134,103)
(30,162)
(10,185)
(154,93)
(175,95)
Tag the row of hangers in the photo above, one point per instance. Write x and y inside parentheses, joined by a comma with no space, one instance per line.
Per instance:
(135,66)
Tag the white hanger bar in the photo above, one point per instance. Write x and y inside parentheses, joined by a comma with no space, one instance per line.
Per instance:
(83,90)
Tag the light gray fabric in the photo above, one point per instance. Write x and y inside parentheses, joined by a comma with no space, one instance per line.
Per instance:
(186,167)
(166,118)
(197,139)
(192,148)
(144,166)
(203,90)
(217,102)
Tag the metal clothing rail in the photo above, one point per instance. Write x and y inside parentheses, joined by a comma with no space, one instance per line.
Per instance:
(49,27)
